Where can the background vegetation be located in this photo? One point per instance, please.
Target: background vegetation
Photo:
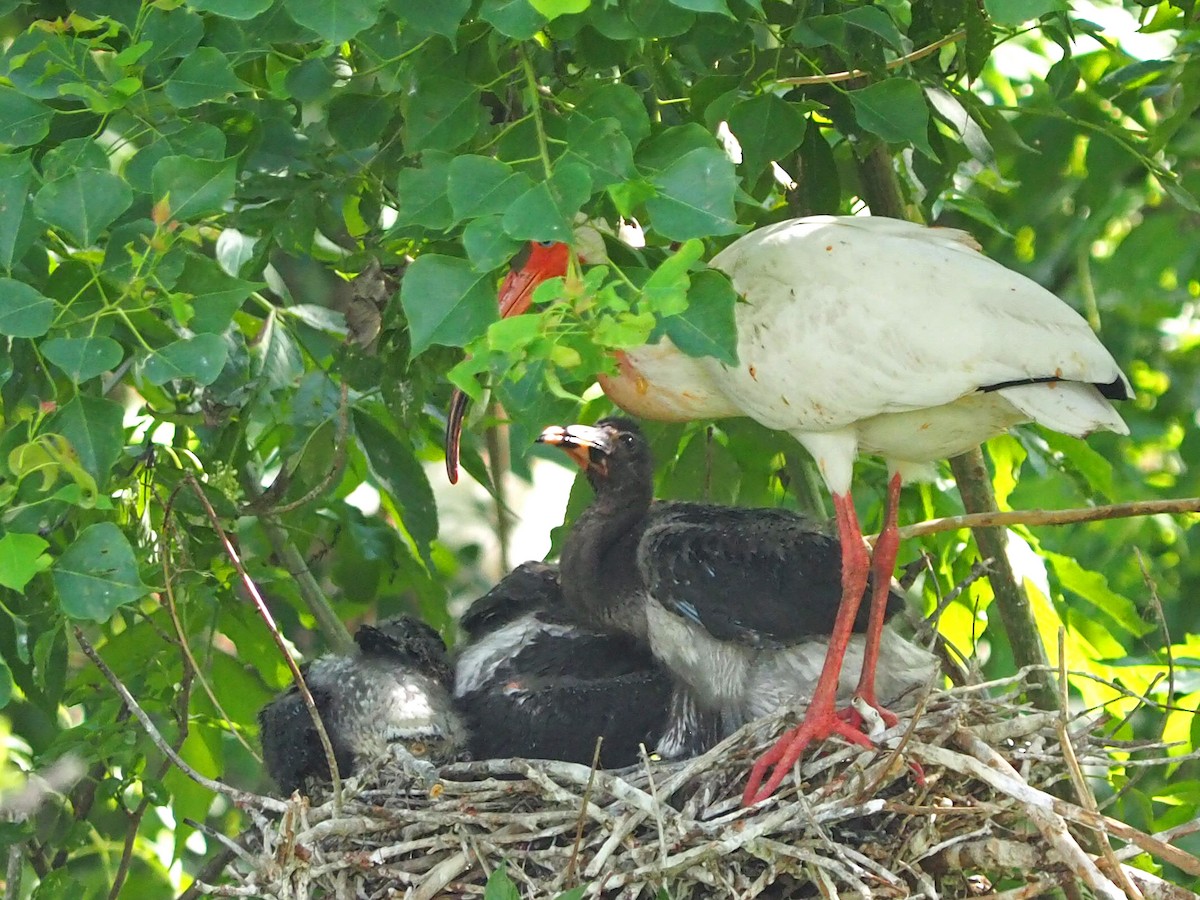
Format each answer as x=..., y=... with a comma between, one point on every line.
x=243, y=243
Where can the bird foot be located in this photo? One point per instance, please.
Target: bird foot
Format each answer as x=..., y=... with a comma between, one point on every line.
x=783, y=755
x=868, y=715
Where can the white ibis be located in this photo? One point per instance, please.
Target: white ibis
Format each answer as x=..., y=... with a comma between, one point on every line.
x=395, y=691
x=533, y=682
x=873, y=335
x=738, y=603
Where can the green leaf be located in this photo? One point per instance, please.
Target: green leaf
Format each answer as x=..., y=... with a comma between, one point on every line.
x=23, y=311
x=546, y=212
x=514, y=18
x=97, y=574
x=21, y=557
x=424, y=17
x=17, y=226
x=704, y=6
x=83, y=204
x=500, y=887
x=441, y=114
x=877, y=21
x=421, y=194
x=707, y=327
x=603, y=148
x=240, y=10
x=193, y=188
x=513, y=333
x=95, y=428
x=552, y=9
x=487, y=244
x=200, y=358
x=358, y=120
x=23, y=121
x=335, y=22
x=83, y=358
x=1093, y=587
x=1012, y=13
x=6, y=684
x=205, y=74
x=768, y=129
x=215, y=295
x=620, y=102
x=446, y=302
x=896, y=111
x=481, y=186
x=695, y=197
x=400, y=474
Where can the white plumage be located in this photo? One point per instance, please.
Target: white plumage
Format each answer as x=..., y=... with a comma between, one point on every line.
x=874, y=334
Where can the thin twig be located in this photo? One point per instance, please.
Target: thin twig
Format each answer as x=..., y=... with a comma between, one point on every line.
x=1035, y=517
x=1083, y=791
x=919, y=53
x=164, y=553
x=587, y=796
x=265, y=613
x=244, y=798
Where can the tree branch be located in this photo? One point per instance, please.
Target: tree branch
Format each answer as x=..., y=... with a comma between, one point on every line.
x=244, y=798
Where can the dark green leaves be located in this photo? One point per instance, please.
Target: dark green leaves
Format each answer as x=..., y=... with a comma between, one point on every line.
x=97, y=574
x=768, y=129
x=546, y=211
x=199, y=359
x=16, y=225
x=23, y=311
x=83, y=204
x=23, y=121
x=446, y=302
x=335, y=22
x=707, y=326
x=193, y=188
x=695, y=197
x=83, y=358
x=204, y=75
x=95, y=429
x=442, y=114
x=480, y=185
x=400, y=474
x=895, y=110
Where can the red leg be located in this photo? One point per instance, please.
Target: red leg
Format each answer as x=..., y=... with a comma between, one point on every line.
x=821, y=720
x=883, y=564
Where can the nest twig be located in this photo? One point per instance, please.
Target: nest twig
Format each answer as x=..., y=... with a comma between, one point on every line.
x=981, y=819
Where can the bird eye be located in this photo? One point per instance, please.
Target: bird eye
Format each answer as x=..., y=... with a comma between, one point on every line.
x=627, y=439
x=546, y=243
x=418, y=748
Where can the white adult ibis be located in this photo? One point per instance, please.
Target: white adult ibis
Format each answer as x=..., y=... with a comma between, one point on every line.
x=738, y=603
x=874, y=335
x=533, y=681
x=394, y=691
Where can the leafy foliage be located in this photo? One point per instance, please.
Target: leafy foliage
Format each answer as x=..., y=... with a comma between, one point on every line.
x=246, y=245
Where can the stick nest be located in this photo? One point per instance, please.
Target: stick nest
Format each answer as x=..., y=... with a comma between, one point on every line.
x=865, y=824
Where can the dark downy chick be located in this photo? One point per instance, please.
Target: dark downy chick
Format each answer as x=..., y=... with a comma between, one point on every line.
x=393, y=693
x=738, y=603
x=533, y=682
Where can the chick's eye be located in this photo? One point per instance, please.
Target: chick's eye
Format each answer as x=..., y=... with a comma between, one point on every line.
x=627, y=439
x=418, y=748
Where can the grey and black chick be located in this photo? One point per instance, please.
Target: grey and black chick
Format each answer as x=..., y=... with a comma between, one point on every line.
x=533, y=682
x=394, y=692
